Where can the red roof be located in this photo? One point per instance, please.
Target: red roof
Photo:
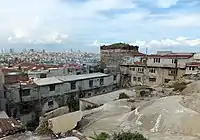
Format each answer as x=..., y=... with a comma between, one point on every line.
x=23, y=64
x=139, y=63
x=9, y=126
x=139, y=54
x=8, y=70
x=193, y=64
x=173, y=55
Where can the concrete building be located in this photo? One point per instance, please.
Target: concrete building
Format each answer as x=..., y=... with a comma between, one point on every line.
x=159, y=68
x=114, y=55
x=2, y=94
x=193, y=68
x=28, y=101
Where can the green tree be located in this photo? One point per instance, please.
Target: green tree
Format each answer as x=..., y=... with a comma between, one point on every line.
x=101, y=136
x=128, y=136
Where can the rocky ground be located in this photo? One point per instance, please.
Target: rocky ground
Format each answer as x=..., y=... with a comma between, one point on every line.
x=164, y=117
x=174, y=116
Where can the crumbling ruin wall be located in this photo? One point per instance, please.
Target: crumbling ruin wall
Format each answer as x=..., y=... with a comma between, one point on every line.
x=125, y=81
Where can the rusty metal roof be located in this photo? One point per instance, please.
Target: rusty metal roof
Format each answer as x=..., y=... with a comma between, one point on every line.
x=9, y=126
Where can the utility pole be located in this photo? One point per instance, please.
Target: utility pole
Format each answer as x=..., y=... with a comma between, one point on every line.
x=176, y=68
x=20, y=92
x=145, y=68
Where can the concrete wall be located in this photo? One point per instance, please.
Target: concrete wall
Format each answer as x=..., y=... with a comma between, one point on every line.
x=2, y=97
x=161, y=75
x=44, y=91
x=13, y=95
x=65, y=122
x=47, y=108
x=167, y=62
x=192, y=70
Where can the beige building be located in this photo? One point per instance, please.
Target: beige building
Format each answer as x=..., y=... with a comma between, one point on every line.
x=158, y=69
x=141, y=75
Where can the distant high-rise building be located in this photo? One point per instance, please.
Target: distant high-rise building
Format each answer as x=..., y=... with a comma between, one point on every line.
x=3, y=50
x=31, y=50
x=24, y=50
x=12, y=50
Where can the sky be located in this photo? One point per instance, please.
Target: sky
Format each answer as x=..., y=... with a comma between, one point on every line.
x=59, y=25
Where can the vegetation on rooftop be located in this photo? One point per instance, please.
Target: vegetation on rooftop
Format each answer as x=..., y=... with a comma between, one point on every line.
x=120, y=45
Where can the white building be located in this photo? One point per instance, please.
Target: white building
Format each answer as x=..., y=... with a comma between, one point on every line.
x=46, y=94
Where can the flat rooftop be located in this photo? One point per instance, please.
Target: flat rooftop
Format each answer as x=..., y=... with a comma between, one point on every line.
x=68, y=78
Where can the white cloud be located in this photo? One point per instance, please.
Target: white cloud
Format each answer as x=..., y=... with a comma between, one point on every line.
x=54, y=38
x=97, y=43
x=20, y=33
x=180, y=20
x=50, y=21
x=23, y=18
x=166, y=3
x=180, y=41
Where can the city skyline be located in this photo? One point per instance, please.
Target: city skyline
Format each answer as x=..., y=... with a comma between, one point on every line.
x=86, y=24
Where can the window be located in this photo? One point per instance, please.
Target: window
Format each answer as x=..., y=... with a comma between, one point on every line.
x=26, y=92
x=43, y=75
x=167, y=80
x=152, y=70
x=52, y=87
x=89, y=94
x=191, y=68
x=115, y=77
x=101, y=81
x=133, y=69
x=73, y=85
x=172, y=72
x=134, y=78
x=152, y=79
x=140, y=70
x=156, y=60
x=91, y=83
x=50, y=103
x=139, y=79
x=173, y=61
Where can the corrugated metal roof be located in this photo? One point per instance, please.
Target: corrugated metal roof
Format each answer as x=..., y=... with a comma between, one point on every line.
x=47, y=81
x=81, y=77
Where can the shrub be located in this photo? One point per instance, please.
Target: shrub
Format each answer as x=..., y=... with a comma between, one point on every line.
x=123, y=96
x=101, y=136
x=43, y=129
x=120, y=136
x=179, y=86
x=128, y=136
